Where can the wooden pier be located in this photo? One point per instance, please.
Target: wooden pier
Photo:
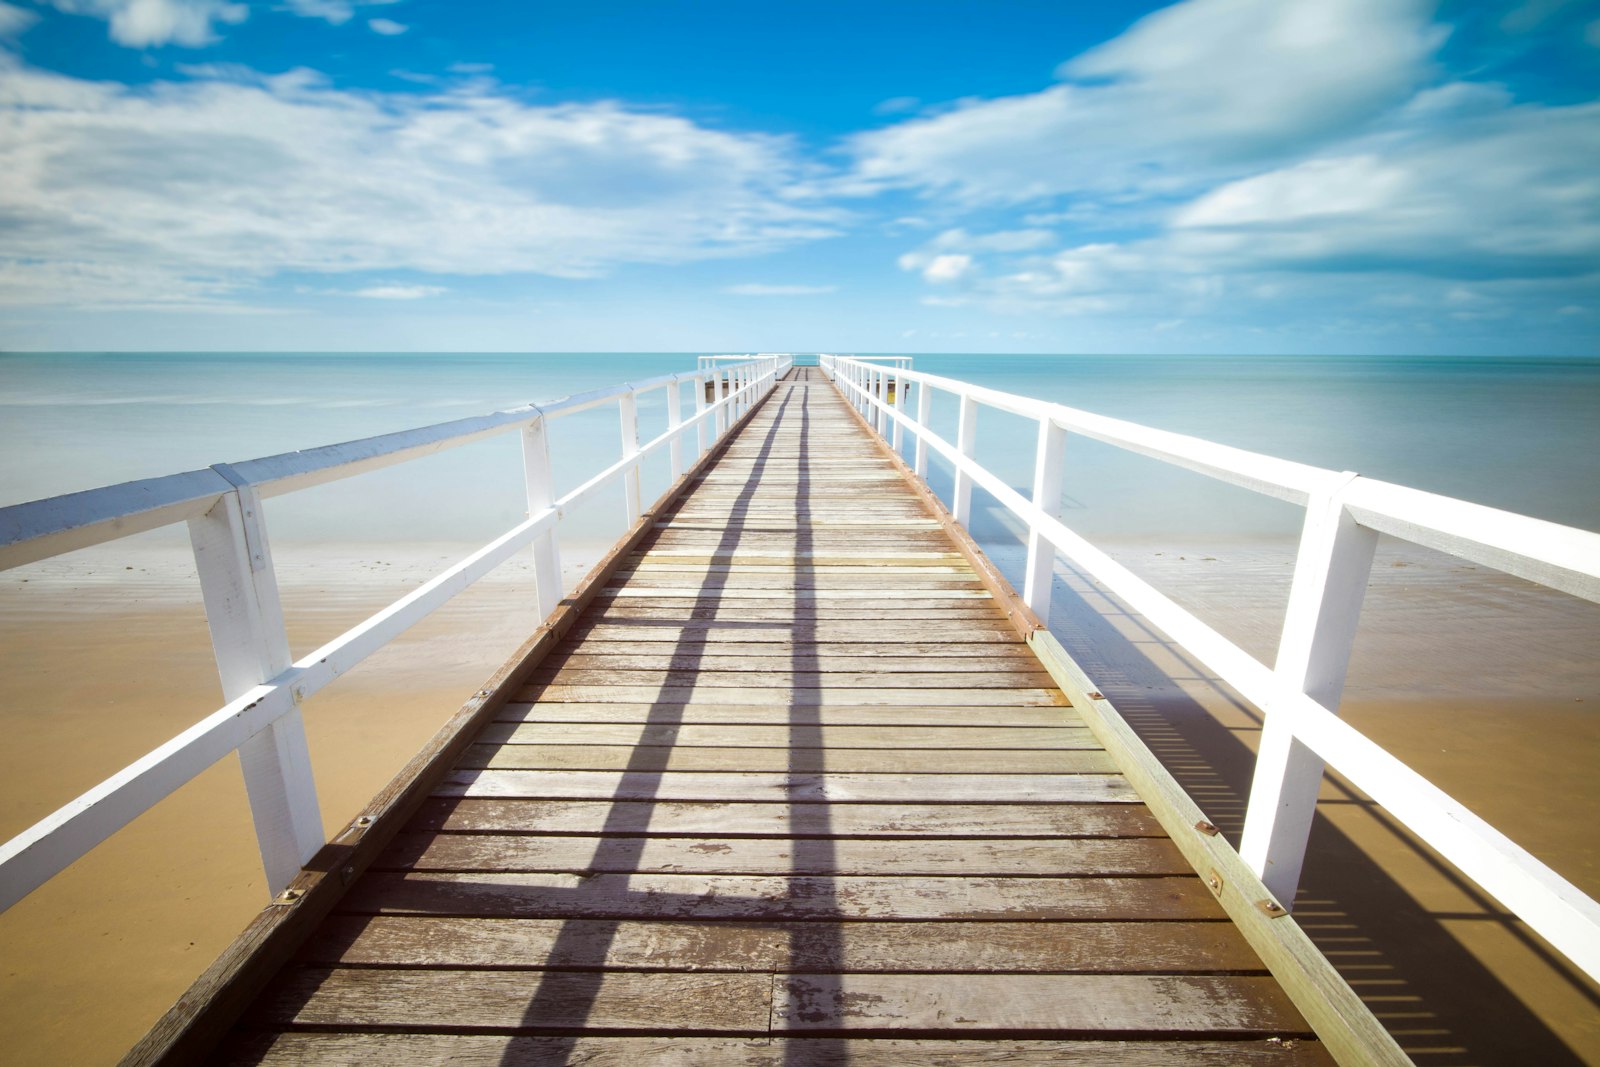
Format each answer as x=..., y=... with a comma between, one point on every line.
x=784, y=784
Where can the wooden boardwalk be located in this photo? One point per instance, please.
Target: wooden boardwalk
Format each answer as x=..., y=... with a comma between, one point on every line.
x=791, y=791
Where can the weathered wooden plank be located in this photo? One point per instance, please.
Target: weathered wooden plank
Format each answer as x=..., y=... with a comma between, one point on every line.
x=706, y=818
x=794, y=788
x=915, y=619
x=931, y=571
x=645, y=694
x=1068, y=1003
x=805, y=557
x=746, y=897
x=783, y=948
x=918, y=597
x=845, y=761
x=299, y=1049
x=804, y=582
x=812, y=657
x=623, y=624
x=811, y=735
x=1076, y=857
x=443, y=1001
x=783, y=715
x=779, y=676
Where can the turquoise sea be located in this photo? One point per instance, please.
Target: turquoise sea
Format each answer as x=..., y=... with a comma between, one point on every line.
x=1518, y=433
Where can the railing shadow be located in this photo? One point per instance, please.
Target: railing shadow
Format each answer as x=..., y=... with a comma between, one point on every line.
x=813, y=845
x=571, y=993
x=1438, y=1000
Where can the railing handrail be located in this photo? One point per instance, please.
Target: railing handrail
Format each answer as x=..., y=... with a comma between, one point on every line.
x=1299, y=695
x=41, y=529
x=262, y=689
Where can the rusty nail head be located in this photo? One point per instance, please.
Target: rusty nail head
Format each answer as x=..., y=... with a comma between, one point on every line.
x=1096, y=696
x=288, y=896
x=1215, y=882
x=1206, y=828
x=364, y=820
x=1271, y=907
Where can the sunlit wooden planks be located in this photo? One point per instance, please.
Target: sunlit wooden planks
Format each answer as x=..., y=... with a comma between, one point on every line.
x=793, y=774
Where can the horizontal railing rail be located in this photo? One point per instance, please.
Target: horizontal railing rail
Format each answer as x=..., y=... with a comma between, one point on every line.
x=263, y=689
x=1299, y=694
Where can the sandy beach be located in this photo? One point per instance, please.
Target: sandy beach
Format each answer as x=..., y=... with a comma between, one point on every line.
x=1485, y=684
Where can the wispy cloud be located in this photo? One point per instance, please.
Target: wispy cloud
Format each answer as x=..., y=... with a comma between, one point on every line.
x=147, y=23
x=1177, y=100
x=1361, y=166
x=231, y=181
x=387, y=27
x=757, y=289
x=400, y=292
x=14, y=20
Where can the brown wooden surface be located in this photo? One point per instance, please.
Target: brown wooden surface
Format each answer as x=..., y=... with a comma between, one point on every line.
x=793, y=789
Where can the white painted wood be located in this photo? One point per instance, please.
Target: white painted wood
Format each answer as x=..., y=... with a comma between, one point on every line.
x=924, y=413
x=41, y=529
x=1557, y=556
x=240, y=592
x=541, y=491
x=900, y=406
x=966, y=441
x=1330, y=580
x=674, y=420
x=701, y=433
x=631, y=504
x=1047, y=471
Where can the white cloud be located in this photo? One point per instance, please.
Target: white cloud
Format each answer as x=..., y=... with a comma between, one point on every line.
x=333, y=12
x=1001, y=241
x=897, y=105
x=14, y=20
x=146, y=23
x=1511, y=193
x=227, y=183
x=1203, y=88
x=387, y=27
x=948, y=267
x=400, y=292
x=757, y=289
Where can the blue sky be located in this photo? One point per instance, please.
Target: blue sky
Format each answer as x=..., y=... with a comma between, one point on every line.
x=1207, y=176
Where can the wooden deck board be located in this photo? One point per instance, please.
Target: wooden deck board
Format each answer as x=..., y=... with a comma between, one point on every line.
x=791, y=790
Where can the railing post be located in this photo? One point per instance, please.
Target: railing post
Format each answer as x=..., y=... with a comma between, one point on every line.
x=1039, y=575
x=721, y=395
x=245, y=616
x=924, y=413
x=966, y=439
x=629, y=405
x=1330, y=579
x=541, y=494
x=700, y=427
x=674, y=420
x=880, y=392
x=899, y=407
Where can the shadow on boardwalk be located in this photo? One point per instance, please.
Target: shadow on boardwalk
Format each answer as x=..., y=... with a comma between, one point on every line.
x=1438, y=1000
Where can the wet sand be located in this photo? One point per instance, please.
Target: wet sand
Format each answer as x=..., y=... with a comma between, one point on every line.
x=98, y=665
x=1489, y=687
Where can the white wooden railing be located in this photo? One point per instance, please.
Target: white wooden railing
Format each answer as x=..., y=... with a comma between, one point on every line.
x=1299, y=694
x=262, y=687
